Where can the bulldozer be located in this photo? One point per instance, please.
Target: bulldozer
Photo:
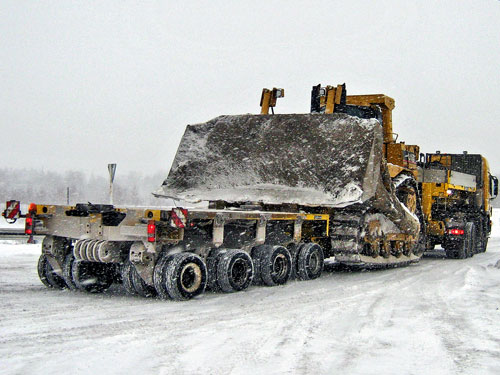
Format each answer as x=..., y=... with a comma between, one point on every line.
x=341, y=160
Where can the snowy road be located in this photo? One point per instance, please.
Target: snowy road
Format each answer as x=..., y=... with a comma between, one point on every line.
x=439, y=317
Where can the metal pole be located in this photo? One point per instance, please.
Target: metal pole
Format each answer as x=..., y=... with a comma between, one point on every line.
x=111, y=170
x=67, y=195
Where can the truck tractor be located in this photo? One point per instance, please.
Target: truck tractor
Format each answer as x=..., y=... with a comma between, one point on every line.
x=457, y=190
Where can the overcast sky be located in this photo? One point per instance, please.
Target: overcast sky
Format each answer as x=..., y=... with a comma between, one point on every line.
x=91, y=82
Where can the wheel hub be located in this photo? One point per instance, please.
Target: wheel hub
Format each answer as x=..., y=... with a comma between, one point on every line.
x=239, y=272
x=280, y=266
x=314, y=263
x=191, y=277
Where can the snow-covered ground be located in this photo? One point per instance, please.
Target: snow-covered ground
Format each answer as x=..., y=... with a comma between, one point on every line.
x=438, y=317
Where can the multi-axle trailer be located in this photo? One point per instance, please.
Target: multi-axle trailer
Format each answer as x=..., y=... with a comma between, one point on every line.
x=173, y=252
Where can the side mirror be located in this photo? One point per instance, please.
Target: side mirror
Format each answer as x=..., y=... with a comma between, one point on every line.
x=494, y=187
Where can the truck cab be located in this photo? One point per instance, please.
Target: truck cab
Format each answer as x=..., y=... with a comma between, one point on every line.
x=457, y=190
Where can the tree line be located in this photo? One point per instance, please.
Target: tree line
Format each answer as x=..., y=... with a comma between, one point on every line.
x=40, y=186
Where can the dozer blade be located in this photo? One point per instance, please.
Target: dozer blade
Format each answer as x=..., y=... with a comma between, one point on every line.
x=328, y=160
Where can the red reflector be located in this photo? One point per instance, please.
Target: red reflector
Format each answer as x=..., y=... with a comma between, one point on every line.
x=178, y=217
x=12, y=211
x=151, y=227
x=151, y=231
x=28, y=225
x=456, y=231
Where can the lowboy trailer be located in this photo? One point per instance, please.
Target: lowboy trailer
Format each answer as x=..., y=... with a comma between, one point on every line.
x=172, y=252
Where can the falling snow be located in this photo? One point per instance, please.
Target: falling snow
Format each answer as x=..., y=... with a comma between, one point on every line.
x=438, y=317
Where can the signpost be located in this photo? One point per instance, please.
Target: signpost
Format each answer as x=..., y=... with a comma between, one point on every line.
x=112, y=170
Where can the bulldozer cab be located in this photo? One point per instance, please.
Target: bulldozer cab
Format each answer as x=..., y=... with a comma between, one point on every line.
x=332, y=99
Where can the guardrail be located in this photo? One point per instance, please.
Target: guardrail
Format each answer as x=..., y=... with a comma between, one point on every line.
x=13, y=231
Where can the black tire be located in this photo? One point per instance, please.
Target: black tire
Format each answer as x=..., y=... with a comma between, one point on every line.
x=67, y=269
x=464, y=248
x=127, y=282
x=481, y=237
x=180, y=276
x=42, y=271
x=159, y=275
x=451, y=253
x=485, y=242
x=140, y=286
x=47, y=275
x=212, y=263
x=294, y=253
x=92, y=277
x=234, y=270
x=310, y=261
x=470, y=237
x=255, y=254
x=273, y=264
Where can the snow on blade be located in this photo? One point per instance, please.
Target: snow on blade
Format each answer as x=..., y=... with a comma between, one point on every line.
x=307, y=159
